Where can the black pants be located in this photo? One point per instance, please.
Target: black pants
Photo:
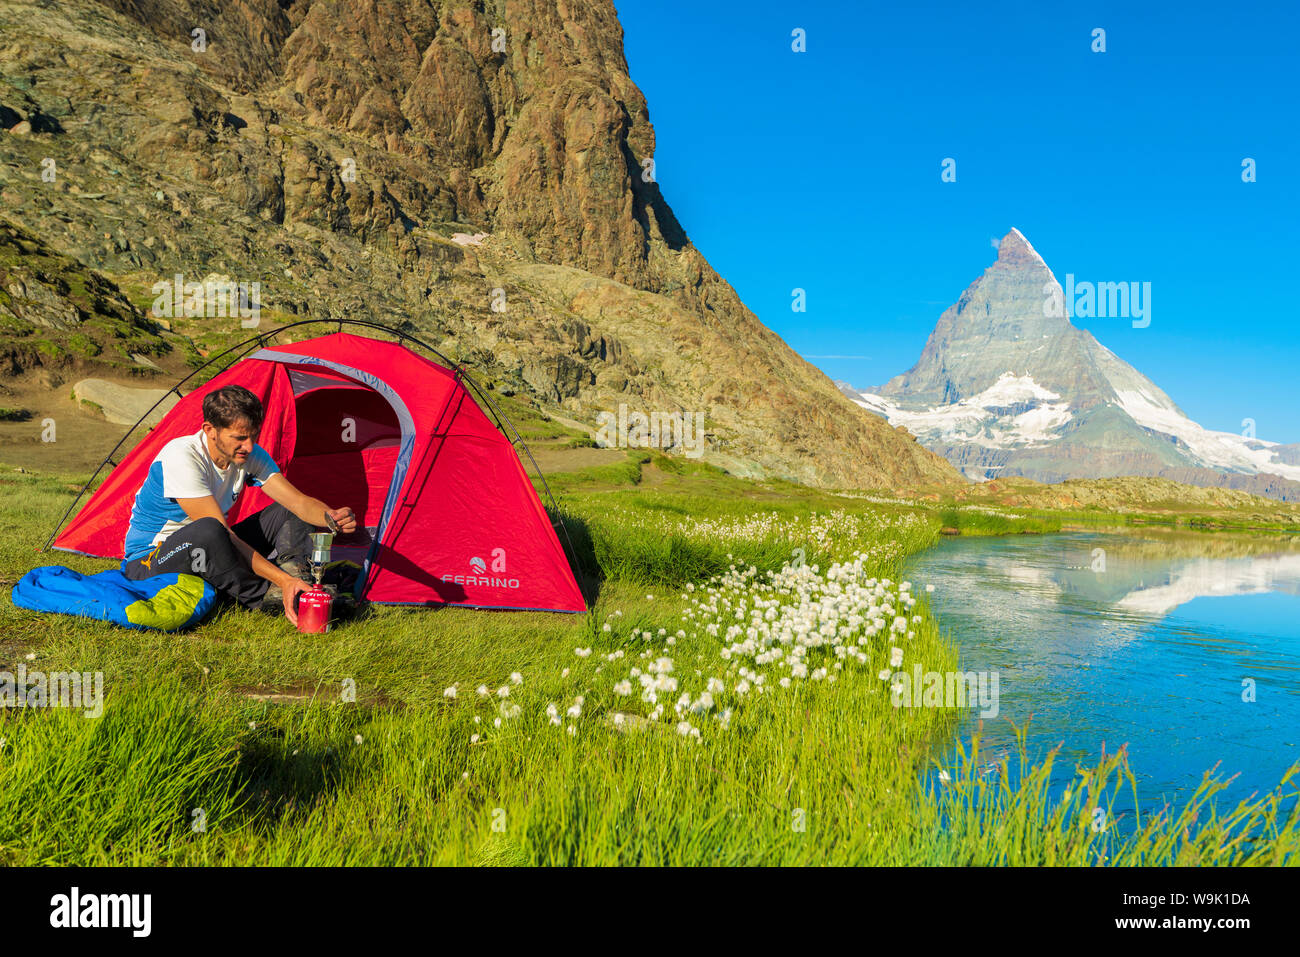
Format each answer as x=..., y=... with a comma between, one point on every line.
x=203, y=547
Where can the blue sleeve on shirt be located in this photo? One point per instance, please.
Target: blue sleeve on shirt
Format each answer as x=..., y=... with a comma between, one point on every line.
x=261, y=466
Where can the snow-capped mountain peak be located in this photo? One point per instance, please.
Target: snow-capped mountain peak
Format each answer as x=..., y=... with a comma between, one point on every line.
x=1006, y=387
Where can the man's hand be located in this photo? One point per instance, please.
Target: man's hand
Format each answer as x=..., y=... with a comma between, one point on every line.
x=311, y=510
x=343, y=517
x=292, y=588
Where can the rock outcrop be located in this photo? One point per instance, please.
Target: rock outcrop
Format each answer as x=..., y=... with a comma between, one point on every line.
x=479, y=173
x=124, y=405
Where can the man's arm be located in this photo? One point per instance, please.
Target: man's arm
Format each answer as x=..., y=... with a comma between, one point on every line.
x=205, y=506
x=311, y=510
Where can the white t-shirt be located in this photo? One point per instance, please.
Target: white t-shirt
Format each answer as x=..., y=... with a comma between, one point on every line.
x=183, y=468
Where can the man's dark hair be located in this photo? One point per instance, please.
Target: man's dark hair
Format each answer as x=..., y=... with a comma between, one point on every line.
x=227, y=405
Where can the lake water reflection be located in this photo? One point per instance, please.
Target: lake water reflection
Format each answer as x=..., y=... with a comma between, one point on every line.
x=1154, y=639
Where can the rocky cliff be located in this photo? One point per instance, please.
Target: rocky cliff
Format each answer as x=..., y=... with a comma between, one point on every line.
x=480, y=173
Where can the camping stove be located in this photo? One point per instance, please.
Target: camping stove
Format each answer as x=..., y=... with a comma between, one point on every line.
x=314, y=605
x=321, y=543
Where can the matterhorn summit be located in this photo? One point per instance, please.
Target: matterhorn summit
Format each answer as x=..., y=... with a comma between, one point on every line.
x=1008, y=385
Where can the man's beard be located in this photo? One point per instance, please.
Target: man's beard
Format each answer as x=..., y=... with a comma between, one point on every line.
x=230, y=455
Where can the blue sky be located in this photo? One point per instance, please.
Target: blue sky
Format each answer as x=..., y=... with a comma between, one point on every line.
x=821, y=170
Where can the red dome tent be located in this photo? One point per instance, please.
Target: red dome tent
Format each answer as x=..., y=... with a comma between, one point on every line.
x=450, y=515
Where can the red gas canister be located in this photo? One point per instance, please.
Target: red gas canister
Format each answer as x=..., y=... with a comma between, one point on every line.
x=314, y=610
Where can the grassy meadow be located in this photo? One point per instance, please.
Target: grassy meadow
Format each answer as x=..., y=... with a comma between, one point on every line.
x=724, y=701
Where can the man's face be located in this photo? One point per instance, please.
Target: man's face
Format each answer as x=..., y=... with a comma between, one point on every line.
x=231, y=444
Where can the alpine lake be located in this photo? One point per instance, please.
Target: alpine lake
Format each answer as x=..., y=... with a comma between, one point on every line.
x=1183, y=646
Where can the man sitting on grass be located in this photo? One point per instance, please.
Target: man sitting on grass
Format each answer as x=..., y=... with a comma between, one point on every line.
x=178, y=522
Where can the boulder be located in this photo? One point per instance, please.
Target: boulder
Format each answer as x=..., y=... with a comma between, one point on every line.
x=122, y=404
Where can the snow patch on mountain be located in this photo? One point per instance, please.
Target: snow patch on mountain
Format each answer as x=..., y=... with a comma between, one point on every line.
x=1011, y=389
x=984, y=418
x=1224, y=450
x=1038, y=425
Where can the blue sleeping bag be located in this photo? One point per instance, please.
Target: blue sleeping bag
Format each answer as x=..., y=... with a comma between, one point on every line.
x=168, y=602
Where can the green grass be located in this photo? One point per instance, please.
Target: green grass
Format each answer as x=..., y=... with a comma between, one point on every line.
x=989, y=821
x=981, y=520
x=665, y=538
x=368, y=762
x=76, y=788
x=1100, y=518
x=534, y=425
x=82, y=345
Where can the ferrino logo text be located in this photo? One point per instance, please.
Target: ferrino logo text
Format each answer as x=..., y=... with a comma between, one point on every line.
x=479, y=572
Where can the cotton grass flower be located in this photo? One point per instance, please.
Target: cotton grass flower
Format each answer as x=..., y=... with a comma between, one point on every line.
x=449, y=692
x=796, y=620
